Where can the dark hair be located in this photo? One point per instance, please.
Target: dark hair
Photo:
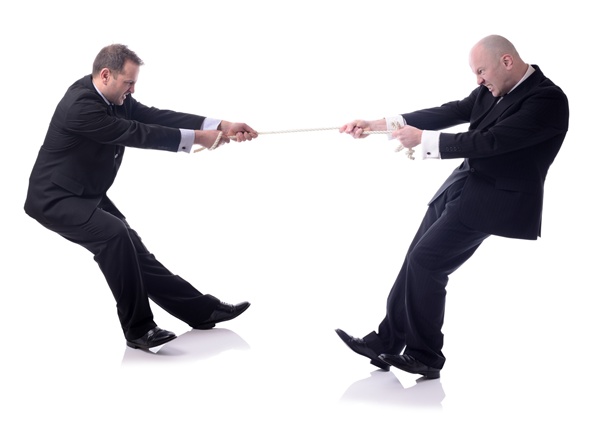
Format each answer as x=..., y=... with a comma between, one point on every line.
x=114, y=57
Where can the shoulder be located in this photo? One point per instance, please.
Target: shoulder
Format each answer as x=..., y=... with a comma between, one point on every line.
x=83, y=84
x=83, y=90
x=542, y=81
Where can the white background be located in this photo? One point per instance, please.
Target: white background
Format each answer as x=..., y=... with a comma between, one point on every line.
x=311, y=228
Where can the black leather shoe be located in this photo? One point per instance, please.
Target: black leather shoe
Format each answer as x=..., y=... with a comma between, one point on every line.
x=409, y=364
x=359, y=346
x=222, y=313
x=154, y=337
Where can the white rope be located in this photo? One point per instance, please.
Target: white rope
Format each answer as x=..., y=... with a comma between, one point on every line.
x=216, y=144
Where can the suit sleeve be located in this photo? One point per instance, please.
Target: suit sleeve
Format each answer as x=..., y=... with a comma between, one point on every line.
x=536, y=118
x=151, y=115
x=447, y=115
x=89, y=119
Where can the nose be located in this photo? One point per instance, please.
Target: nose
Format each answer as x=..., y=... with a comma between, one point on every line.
x=480, y=80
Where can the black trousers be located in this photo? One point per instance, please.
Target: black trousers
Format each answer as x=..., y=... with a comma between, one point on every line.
x=416, y=302
x=135, y=276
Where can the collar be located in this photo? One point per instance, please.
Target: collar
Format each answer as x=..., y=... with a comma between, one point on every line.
x=528, y=73
x=103, y=97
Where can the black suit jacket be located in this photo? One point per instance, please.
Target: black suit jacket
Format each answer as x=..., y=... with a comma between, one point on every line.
x=83, y=149
x=509, y=148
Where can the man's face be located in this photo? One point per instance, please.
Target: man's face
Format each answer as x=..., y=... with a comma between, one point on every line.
x=491, y=71
x=119, y=85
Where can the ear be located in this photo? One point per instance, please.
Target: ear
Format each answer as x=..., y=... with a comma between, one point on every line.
x=105, y=75
x=507, y=61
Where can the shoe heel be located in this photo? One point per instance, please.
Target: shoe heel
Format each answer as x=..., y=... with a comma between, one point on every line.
x=205, y=326
x=132, y=345
x=431, y=375
x=382, y=365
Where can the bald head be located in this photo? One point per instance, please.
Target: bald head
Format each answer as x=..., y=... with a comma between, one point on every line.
x=497, y=46
x=497, y=64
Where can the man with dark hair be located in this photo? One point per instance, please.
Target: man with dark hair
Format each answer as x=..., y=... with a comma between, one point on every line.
x=78, y=161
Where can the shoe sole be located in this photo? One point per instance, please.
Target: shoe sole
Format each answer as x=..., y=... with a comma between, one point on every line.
x=430, y=375
x=146, y=348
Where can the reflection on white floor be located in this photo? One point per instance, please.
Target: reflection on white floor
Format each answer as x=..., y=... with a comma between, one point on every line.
x=277, y=387
x=293, y=368
x=189, y=347
x=379, y=389
x=384, y=389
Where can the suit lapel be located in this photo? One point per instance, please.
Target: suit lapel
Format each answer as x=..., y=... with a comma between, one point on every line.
x=519, y=92
x=495, y=111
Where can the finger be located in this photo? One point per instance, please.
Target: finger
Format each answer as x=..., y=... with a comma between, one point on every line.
x=249, y=135
x=349, y=128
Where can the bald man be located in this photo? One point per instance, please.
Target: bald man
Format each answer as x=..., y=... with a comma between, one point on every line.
x=518, y=119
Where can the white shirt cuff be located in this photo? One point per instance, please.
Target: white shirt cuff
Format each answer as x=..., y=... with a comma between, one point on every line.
x=187, y=140
x=430, y=144
x=210, y=123
x=187, y=135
